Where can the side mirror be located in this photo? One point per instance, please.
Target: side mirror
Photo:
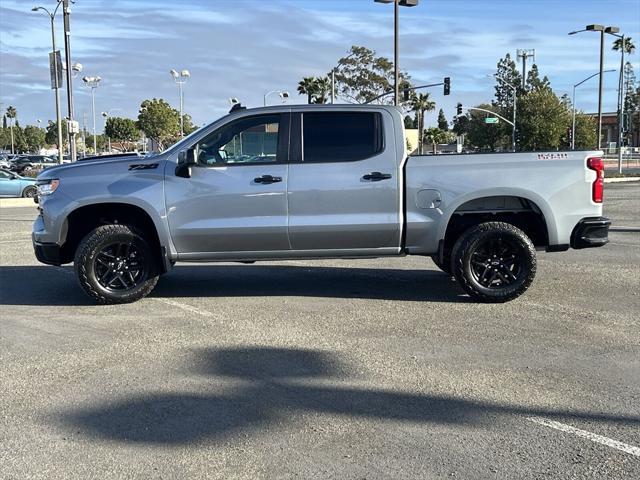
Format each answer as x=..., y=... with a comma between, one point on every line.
x=186, y=159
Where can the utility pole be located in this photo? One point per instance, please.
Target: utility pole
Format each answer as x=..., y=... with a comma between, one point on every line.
x=524, y=54
x=71, y=124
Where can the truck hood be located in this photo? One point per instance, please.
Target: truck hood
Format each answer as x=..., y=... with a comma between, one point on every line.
x=56, y=172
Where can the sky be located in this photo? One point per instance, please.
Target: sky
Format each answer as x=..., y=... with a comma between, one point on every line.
x=244, y=48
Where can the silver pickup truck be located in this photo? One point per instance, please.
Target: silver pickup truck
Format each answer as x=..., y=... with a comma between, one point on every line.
x=320, y=181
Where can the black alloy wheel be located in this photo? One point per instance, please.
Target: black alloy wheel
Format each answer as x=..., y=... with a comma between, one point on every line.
x=494, y=262
x=497, y=262
x=116, y=264
x=120, y=266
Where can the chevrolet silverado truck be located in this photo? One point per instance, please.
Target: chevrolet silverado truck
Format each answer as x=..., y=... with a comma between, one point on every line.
x=315, y=182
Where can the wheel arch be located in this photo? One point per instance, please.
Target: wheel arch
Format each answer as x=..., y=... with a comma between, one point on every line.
x=499, y=207
x=83, y=219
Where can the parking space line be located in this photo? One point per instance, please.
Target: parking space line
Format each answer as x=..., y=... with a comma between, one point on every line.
x=183, y=306
x=609, y=442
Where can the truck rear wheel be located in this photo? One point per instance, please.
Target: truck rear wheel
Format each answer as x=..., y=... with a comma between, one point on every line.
x=115, y=264
x=494, y=262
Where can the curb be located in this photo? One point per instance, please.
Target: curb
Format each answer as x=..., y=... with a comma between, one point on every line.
x=621, y=179
x=16, y=202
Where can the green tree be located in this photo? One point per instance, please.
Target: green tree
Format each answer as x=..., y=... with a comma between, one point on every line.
x=533, y=80
x=436, y=136
x=122, y=130
x=159, y=121
x=484, y=136
x=308, y=86
x=51, y=133
x=34, y=138
x=323, y=90
x=362, y=76
x=586, y=132
x=542, y=120
x=442, y=121
x=421, y=103
x=629, y=47
x=507, y=78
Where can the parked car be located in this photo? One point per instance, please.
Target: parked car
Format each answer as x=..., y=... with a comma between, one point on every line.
x=13, y=185
x=316, y=181
x=27, y=163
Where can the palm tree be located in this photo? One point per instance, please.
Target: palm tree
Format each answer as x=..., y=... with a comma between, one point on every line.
x=11, y=115
x=421, y=103
x=323, y=89
x=629, y=47
x=309, y=87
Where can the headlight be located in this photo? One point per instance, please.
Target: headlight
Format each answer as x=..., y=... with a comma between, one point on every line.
x=47, y=187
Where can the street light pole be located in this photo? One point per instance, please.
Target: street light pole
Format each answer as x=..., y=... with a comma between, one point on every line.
x=180, y=78
x=283, y=95
x=396, y=47
x=573, y=104
x=396, y=50
x=614, y=31
x=71, y=124
x=602, y=29
x=600, y=85
x=92, y=83
x=56, y=73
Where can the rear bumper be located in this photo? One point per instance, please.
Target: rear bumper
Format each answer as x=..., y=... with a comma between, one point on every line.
x=48, y=253
x=591, y=232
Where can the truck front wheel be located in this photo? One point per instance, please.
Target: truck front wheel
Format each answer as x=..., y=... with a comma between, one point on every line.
x=115, y=264
x=494, y=262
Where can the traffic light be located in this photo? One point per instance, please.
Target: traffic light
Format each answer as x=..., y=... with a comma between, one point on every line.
x=406, y=91
x=570, y=135
x=459, y=109
x=447, y=85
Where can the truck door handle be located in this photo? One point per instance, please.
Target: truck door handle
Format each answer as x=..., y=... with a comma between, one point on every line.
x=376, y=176
x=266, y=179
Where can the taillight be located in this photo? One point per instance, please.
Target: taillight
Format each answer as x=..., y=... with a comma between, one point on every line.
x=597, y=189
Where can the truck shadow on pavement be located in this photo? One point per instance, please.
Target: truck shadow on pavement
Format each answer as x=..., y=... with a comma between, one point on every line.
x=57, y=286
x=277, y=385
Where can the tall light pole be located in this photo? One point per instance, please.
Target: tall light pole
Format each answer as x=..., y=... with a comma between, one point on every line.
x=92, y=83
x=55, y=79
x=614, y=31
x=180, y=78
x=396, y=48
x=72, y=125
x=573, y=104
x=602, y=29
x=282, y=94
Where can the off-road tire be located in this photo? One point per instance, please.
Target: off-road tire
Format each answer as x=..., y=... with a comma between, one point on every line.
x=94, y=243
x=474, y=243
x=30, y=192
x=445, y=265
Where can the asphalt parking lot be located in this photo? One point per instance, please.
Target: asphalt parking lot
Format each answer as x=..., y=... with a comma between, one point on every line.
x=331, y=369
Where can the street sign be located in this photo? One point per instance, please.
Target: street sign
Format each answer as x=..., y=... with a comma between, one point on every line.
x=491, y=120
x=55, y=64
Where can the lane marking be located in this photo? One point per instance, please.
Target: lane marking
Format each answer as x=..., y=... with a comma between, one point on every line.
x=623, y=244
x=609, y=442
x=184, y=306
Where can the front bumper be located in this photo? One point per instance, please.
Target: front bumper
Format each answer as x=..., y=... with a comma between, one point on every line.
x=48, y=253
x=591, y=232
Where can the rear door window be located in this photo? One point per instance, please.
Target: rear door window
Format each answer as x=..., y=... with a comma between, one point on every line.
x=341, y=136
